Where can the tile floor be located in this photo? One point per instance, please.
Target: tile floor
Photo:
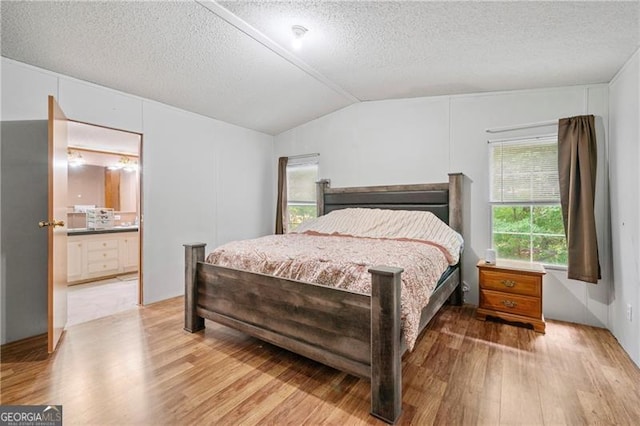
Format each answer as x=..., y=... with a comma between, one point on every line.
x=86, y=302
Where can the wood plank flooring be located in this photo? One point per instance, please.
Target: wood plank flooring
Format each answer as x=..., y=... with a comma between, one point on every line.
x=140, y=367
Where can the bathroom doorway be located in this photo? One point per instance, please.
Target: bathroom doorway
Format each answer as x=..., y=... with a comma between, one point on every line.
x=104, y=225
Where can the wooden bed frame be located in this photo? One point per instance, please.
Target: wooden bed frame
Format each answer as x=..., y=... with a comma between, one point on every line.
x=355, y=333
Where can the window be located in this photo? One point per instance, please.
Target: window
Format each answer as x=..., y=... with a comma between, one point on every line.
x=302, y=174
x=526, y=217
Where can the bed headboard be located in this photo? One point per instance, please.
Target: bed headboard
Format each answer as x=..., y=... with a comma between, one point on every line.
x=442, y=199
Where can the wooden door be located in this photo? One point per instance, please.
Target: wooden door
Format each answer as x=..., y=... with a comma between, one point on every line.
x=56, y=227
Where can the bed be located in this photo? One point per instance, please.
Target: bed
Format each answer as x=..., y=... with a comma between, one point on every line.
x=360, y=334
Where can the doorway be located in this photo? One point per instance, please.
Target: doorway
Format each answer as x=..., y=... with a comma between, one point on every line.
x=104, y=213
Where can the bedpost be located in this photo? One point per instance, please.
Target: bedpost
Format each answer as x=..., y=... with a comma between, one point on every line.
x=455, y=201
x=193, y=253
x=321, y=187
x=456, y=186
x=386, y=355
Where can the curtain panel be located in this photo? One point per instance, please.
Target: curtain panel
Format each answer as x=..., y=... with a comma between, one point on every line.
x=577, y=162
x=281, y=208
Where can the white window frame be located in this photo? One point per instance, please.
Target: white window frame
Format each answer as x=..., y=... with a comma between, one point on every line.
x=529, y=203
x=301, y=161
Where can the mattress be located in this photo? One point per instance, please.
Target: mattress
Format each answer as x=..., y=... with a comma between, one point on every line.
x=338, y=249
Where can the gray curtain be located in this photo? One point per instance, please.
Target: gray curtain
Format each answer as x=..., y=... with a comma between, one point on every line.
x=281, y=208
x=577, y=161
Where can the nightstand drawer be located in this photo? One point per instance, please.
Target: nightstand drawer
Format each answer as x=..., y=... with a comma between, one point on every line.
x=511, y=303
x=510, y=283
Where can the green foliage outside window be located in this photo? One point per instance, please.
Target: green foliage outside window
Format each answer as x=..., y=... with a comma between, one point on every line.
x=301, y=193
x=298, y=214
x=531, y=233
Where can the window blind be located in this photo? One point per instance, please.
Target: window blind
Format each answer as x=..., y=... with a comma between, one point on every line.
x=305, y=159
x=524, y=171
x=302, y=174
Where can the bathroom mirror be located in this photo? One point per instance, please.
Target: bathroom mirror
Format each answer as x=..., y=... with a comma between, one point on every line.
x=103, y=180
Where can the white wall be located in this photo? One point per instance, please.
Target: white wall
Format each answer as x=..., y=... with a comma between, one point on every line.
x=246, y=189
x=128, y=191
x=185, y=161
x=194, y=168
x=422, y=139
x=624, y=154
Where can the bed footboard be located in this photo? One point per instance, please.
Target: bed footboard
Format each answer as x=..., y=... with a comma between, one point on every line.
x=355, y=333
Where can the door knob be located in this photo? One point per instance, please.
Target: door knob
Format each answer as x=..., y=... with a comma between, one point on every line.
x=54, y=223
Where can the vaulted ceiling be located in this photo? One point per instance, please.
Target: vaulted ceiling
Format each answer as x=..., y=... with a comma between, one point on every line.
x=233, y=60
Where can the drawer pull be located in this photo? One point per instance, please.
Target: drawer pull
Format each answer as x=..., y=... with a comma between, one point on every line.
x=508, y=283
x=509, y=303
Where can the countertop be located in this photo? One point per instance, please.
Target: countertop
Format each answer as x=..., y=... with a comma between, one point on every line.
x=115, y=229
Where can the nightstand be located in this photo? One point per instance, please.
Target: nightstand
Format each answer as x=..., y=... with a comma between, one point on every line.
x=512, y=291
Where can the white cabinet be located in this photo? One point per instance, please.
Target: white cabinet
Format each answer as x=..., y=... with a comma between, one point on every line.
x=102, y=256
x=129, y=252
x=75, y=259
x=95, y=256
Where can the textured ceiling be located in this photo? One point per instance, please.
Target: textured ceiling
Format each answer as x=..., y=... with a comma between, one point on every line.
x=394, y=49
x=178, y=53
x=238, y=67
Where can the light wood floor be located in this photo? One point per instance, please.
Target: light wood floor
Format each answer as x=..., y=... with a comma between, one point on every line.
x=140, y=367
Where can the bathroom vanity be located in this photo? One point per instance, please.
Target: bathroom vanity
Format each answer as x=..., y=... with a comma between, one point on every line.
x=103, y=253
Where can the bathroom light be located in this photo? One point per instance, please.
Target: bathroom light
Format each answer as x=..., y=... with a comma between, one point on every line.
x=74, y=158
x=298, y=34
x=126, y=164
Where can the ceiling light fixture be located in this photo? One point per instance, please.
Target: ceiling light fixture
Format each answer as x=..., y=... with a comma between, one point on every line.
x=298, y=33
